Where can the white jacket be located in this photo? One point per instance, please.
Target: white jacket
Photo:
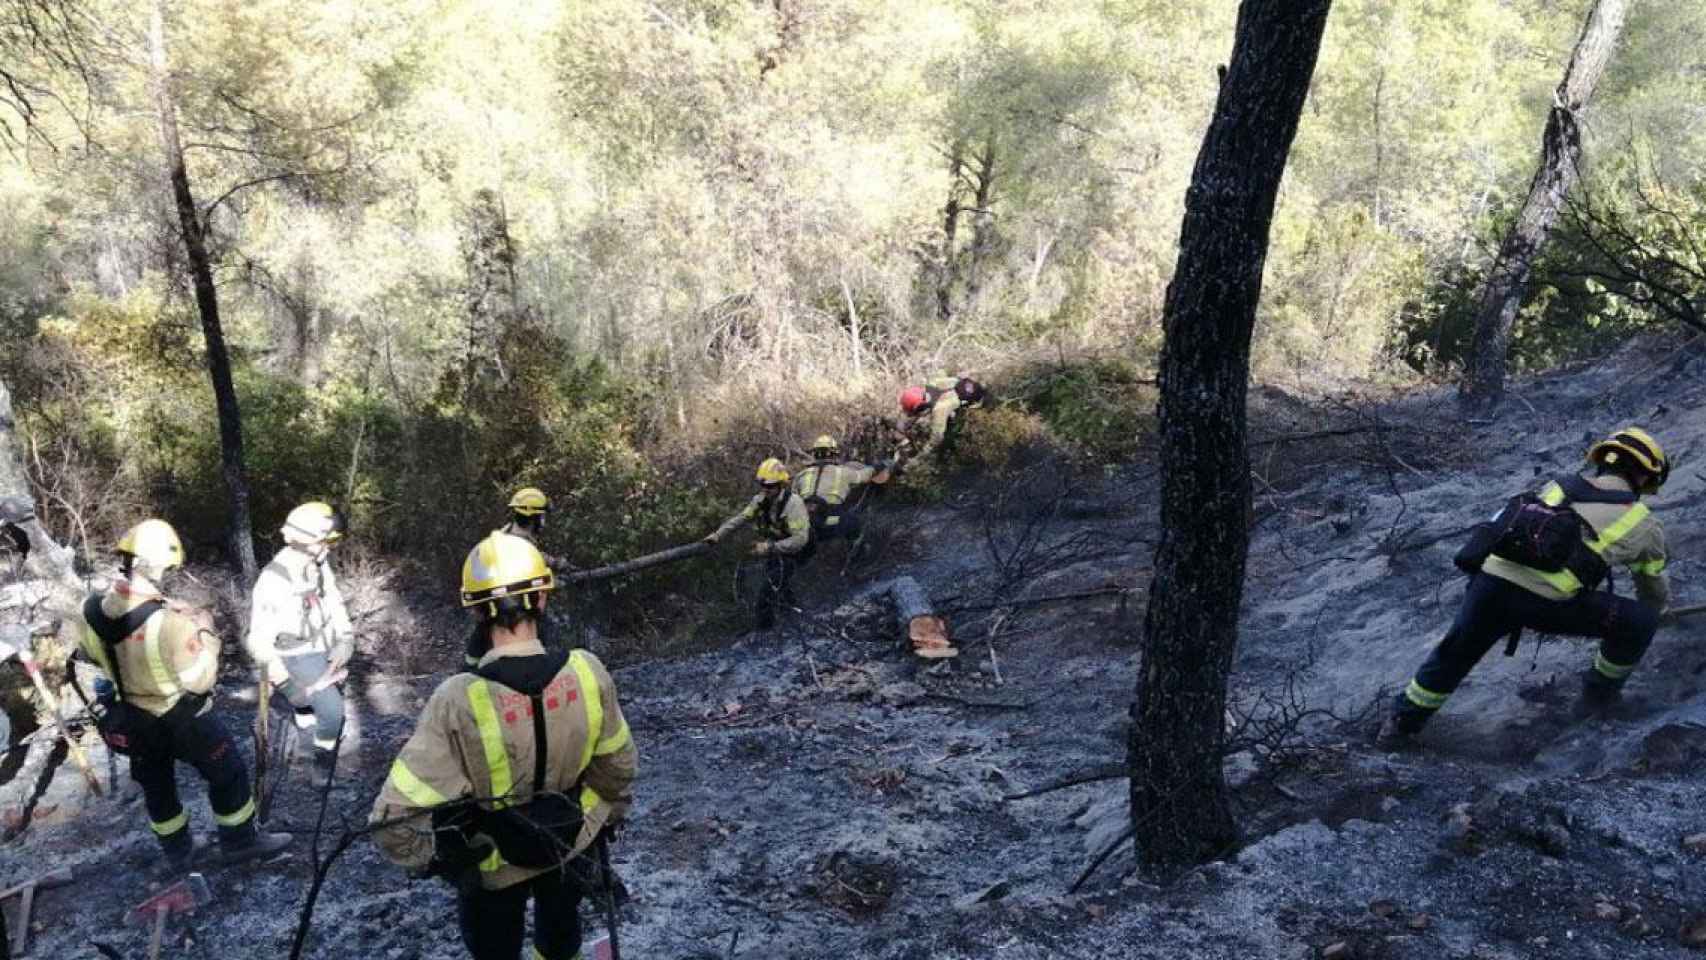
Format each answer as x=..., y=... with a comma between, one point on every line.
x=296, y=596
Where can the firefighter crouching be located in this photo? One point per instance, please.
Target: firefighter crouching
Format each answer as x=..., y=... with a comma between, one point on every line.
x=827, y=484
x=512, y=770
x=940, y=400
x=299, y=628
x=161, y=660
x=780, y=517
x=1506, y=596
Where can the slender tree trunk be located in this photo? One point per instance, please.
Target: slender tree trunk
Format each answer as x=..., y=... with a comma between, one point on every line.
x=242, y=544
x=1560, y=151
x=947, y=267
x=1179, y=805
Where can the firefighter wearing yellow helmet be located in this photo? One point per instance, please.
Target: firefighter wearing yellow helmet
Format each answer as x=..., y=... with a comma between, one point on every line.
x=299, y=627
x=1536, y=566
x=161, y=659
x=512, y=770
x=827, y=485
x=785, y=531
x=528, y=508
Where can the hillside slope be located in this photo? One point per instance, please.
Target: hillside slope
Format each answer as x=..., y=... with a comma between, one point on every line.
x=814, y=793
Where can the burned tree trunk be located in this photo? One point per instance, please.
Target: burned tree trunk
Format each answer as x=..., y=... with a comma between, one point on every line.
x=194, y=235
x=1179, y=805
x=1560, y=151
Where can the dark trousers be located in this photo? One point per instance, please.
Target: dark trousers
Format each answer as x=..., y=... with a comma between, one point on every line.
x=327, y=704
x=494, y=921
x=1494, y=608
x=847, y=527
x=180, y=736
x=775, y=585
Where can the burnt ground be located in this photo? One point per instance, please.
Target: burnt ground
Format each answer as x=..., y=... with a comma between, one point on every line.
x=815, y=792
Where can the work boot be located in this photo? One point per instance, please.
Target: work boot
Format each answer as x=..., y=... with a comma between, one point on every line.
x=179, y=848
x=1599, y=694
x=237, y=844
x=1395, y=733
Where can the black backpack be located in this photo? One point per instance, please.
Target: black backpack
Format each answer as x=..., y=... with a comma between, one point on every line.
x=541, y=831
x=124, y=726
x=1548, y=537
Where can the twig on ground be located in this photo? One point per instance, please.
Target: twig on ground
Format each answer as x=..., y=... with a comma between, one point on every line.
x=1107, y=852
x=1094, y=775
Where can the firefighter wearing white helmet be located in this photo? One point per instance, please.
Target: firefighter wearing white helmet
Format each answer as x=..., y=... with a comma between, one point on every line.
x=528, y=508
x=299, y=628
x=1521, y=577
x=161, y=659
x=513, y=771
x=785, y=530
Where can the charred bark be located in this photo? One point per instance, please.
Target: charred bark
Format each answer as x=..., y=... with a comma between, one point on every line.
x=194, y=235
x=1179, y=806
x=1560, y=152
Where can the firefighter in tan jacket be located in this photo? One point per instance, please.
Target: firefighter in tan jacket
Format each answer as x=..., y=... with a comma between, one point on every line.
x=474, y=799
x=785, y=529
x=827, y=483
x=161, y=659
x=299, y=628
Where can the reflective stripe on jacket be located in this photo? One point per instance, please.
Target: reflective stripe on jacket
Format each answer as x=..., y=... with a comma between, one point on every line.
x=831, y=481
x=475, y=739
x=165, y=658
x=1628, y=535
x=785, y=521
x=298, y=596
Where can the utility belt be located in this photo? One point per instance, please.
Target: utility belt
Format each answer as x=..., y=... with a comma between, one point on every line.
x=822, y=512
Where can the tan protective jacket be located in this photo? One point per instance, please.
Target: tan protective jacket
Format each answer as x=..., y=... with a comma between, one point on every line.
x=475, y=739
x=297, y=596
x=168, y=656
x=831, y=481
x=785, y=522
x=1628, y=536
x=941, y=412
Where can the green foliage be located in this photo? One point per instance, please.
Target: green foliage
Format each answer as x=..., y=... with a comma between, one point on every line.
x=1104, y=407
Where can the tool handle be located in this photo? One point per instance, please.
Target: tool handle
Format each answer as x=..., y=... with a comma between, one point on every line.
x=160, y=914
x=52, y=702
x=609, y=894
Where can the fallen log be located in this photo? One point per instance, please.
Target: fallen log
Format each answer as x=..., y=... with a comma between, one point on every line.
x=916, y=617
x=637, y=564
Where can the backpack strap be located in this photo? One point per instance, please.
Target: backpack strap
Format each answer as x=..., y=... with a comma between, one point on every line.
x=537, y=701
x=113, y=632
x=1577, y=489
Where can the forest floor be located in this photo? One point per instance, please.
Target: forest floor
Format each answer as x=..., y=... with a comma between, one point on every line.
x=816, y=792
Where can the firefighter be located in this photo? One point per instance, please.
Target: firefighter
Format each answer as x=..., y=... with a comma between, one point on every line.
x=299, y=628
x=785, y=529
x=527, y=510
x=941, y=399
x=827, y=483
x=513, y=771
x=161, y=659
x=1505, y=596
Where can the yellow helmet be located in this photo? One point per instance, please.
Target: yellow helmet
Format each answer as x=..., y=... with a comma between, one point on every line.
x=504, y=565
x=772, y=471
x=153, y=542
x=1639, y=446
x=313, y=522
x=529, y=502
x=826, y=442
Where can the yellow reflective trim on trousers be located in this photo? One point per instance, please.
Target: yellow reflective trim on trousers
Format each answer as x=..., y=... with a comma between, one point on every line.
x=1649, y=568
x=417, y=791
x=614, y=742
x=594, y=703
x=237, y=817
x=493, y=863
x=1423, y=697
x=1609, y=670
x=156, y=663
x=166, y=828
x=491, y=738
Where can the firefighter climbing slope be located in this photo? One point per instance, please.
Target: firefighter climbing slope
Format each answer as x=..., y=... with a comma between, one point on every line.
x=161, y=660
x=828, y=485
x=299, y=629
x=781, y=519
x=513, y=771
x=1538, y=564
x=941, y=400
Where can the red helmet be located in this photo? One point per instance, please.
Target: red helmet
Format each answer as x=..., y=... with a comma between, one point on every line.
x=912, y=399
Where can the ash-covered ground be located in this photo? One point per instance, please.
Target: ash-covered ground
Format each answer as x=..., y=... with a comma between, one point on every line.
x=816, y=792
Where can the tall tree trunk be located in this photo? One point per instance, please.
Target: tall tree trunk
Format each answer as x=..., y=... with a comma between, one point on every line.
x=1179, y=805
x=242, y=543
x=1560, y=151
x=947, y=267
